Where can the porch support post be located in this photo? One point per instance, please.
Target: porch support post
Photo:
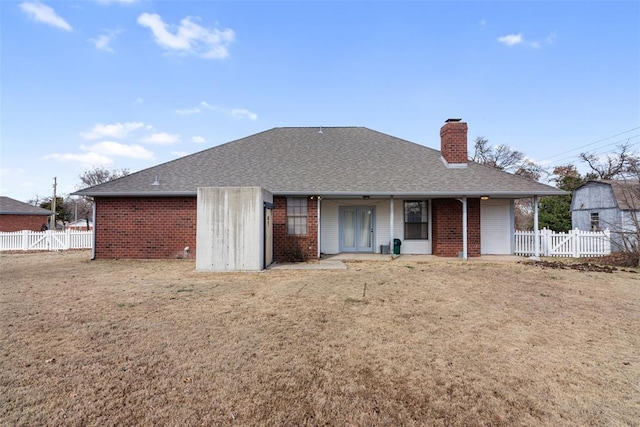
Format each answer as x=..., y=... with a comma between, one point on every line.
x=391, y=209
x=536, y=231
x=464, y=229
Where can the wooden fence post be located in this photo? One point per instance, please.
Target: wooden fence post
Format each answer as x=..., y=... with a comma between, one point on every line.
x=545, y=244
x=25, y=240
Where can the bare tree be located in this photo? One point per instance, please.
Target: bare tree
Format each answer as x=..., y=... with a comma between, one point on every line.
x=612, y=166
x=99, y=175
x=506, y=159
x=37, y=200
x=95, y=176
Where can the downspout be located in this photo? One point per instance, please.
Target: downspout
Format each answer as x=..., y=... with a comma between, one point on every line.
x=536, y=232
x=319, y=234
x=464, y=228
x=391, y=209
x=93, y=234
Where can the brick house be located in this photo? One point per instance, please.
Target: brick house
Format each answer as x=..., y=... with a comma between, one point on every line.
x=324, y=191
x=17, y=216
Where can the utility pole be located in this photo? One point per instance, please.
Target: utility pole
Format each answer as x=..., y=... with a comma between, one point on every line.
x=53, y=205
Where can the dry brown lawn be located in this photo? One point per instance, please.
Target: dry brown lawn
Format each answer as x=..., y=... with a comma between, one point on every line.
x=97, y=343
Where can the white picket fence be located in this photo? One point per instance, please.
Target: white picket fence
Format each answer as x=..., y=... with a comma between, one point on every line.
x=575, y=243
x=45, y=240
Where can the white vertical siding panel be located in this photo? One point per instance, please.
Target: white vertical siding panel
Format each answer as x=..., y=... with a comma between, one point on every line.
x=329, y=232
x=495, y=227
x=382, y=224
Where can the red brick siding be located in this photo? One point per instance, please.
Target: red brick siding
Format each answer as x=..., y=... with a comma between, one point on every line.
x=283, y=243
x=9, y=223
x=145, y=228
x=453, y=142
x=447, y=227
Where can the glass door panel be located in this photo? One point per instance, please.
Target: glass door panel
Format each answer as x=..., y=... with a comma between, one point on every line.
x=356, y=229
x=349, y=229
x=365, y=217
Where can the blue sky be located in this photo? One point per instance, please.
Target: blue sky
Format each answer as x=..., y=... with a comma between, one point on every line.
x=130, y=84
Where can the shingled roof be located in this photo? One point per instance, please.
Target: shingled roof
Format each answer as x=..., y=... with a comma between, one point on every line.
x=626, y=192
x=322, y=161
x=9, y=206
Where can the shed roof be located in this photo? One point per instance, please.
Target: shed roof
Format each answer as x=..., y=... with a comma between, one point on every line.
x=322, y=161
x=9, y=206
x=626, y=192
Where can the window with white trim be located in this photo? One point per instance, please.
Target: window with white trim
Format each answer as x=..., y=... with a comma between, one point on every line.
x=594, y=217
x=297, y=215
x=416, y=219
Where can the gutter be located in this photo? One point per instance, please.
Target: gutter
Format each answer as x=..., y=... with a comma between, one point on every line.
x=93, y=235
x=385, y=194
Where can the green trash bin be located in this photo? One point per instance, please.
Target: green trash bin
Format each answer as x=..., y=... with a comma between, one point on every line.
x=396, y=246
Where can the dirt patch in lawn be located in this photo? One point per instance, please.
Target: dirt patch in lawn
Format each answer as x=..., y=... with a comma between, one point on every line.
x=579, y=266
x=383, y=343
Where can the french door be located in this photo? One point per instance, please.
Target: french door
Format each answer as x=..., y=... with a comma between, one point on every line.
x=357, y=225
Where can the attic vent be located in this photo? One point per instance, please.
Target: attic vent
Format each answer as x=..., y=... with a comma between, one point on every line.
x=320, y=131
x=156, y=181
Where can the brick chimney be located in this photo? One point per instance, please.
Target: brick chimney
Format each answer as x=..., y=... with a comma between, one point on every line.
x=453, y=143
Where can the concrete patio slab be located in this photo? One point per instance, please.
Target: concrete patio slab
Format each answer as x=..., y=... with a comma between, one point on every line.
x=337, y=262
x=419, y=258
x=320, y=265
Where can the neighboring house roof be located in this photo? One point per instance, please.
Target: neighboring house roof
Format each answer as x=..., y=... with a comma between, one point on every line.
x=626, y=192
x=9, y=206
x=322, y=161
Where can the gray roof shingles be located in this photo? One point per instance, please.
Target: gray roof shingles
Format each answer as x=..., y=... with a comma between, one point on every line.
x=322, y=161
x=9, y=206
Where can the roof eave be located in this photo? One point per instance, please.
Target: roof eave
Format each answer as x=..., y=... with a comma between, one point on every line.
x=27, y=213
x=135, y=193
x=430, y=194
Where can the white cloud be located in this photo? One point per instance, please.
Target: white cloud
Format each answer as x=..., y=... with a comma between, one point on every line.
x=179, y=153
x=89, y=159
x=112, y=148
x=198, y=139
x=189, y=37
x=206, y=105
x=103, y=41
x=40, y=12
x=241, y=113
x=515, y=39
x=188, y=111
x=511, y=39
x=162, y=138
x=113, y=130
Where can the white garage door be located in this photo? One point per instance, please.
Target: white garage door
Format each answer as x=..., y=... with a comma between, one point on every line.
x=495, y=227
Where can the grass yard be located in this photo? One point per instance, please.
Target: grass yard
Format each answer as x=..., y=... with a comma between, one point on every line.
x=97, y=343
